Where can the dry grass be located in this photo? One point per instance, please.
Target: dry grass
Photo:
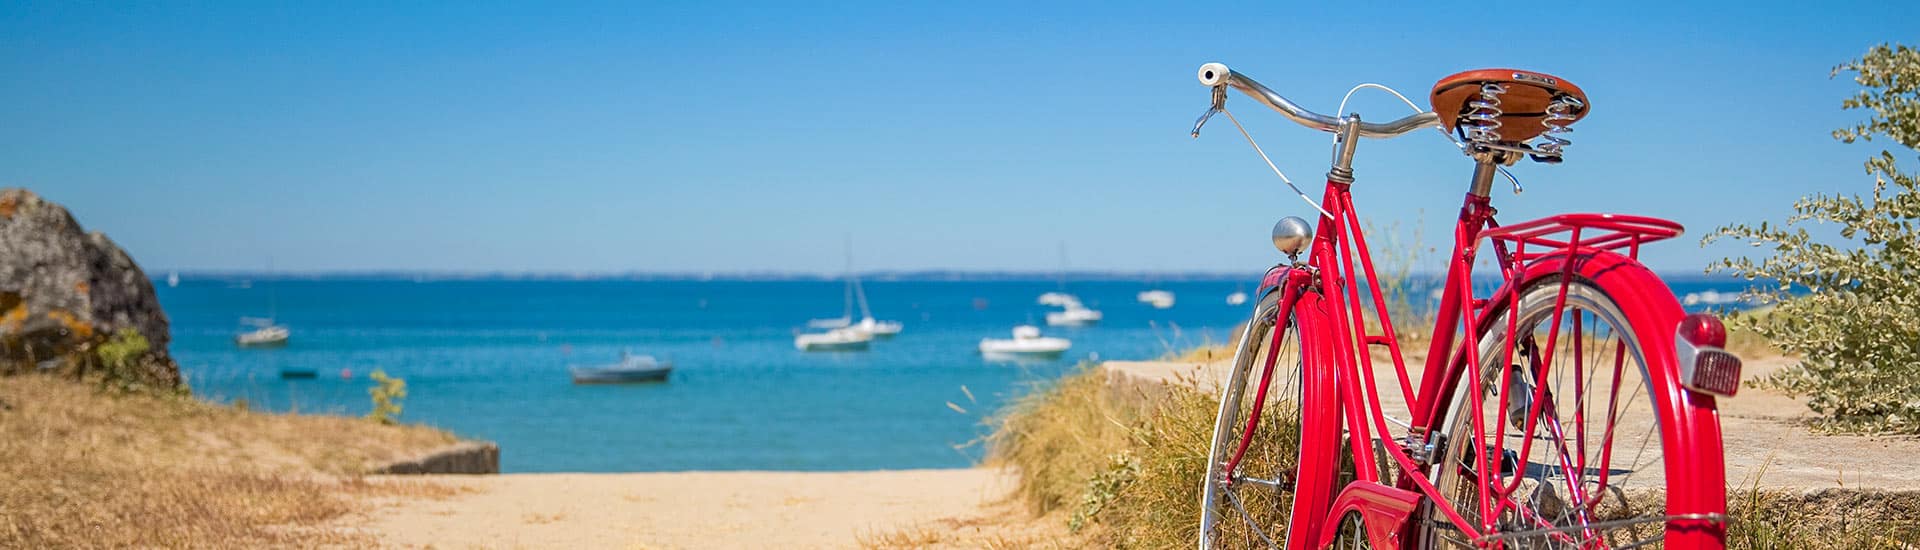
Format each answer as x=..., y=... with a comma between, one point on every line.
x=1865, y=520
x=1059, y=436
x=1117, y=462
x=1120, y=465
x=88, y=469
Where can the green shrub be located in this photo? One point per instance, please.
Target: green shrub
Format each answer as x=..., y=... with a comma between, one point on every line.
x=119, y=360
x=387, y=394
x=1855, y=329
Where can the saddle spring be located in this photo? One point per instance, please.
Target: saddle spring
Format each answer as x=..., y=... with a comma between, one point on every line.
x=1559, y=114
x=1485, y=114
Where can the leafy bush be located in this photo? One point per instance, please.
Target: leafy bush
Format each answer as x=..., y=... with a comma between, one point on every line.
x=387, y=393
x=1856, y=330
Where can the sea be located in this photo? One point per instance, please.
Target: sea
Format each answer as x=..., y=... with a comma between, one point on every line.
x=487, y=358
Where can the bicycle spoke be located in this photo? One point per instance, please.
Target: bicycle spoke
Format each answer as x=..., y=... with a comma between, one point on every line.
x=1579, y=415
x=1248, y=518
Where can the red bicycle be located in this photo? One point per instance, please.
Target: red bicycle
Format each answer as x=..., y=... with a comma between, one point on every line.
x=1573, y=407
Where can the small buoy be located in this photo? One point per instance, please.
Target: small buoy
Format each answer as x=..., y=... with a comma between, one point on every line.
x=346, y=374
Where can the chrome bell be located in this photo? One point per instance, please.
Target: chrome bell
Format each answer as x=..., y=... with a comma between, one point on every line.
x=1291, y=235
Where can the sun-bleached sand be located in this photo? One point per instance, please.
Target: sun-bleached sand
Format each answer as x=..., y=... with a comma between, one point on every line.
x=683, y=509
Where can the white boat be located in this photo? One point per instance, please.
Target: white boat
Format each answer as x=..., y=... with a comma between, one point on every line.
x=1075, y=315
x=1072, y=313
x=1026, y=342
x=1159, y=299
x=264, y=334
x=173, y=278
x=839, y=339
x=630, y=369
x=1058, y=299
x=1236, y=298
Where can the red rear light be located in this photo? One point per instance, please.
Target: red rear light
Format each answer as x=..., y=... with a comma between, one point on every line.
x=1704, y=366
x=1701, y=329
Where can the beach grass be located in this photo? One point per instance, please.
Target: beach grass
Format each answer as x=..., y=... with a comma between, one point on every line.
x=85, y=468
x=1120, y=465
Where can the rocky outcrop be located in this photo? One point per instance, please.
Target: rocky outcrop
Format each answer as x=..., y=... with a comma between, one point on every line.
x=467, y=457
x=65, y=293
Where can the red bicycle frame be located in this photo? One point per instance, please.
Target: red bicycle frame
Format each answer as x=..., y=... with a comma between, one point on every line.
x=1571, y=246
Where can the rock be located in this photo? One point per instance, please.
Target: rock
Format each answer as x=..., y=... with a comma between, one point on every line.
x=466, y=457
x=64, y=292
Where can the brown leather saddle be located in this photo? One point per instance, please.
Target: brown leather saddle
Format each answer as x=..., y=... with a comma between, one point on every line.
x=1524, y=102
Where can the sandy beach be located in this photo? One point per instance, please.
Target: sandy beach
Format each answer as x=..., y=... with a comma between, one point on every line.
x=687, y=509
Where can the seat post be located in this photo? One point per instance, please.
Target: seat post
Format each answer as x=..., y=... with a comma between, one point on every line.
x=1485, y=165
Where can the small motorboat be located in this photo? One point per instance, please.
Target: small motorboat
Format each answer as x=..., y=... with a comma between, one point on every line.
x=299, y=373
x=1159, y=299
x=839, y=339
x=265, y=334
x=1026, y=342
x=630, y=369
x=1075, y=315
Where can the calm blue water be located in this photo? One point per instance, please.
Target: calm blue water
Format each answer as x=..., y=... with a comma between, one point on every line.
x=487, y=359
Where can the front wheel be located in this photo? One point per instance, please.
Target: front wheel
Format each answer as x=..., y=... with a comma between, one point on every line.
x=1258, y=478
x=1560, y=443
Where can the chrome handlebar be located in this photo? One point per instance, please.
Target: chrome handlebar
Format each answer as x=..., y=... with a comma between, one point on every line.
x=1219, y=77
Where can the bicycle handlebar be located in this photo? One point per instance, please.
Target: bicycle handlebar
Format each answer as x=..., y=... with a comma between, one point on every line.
x=1216, y=75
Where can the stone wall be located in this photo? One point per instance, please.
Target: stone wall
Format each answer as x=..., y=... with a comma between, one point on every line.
x=467, y=457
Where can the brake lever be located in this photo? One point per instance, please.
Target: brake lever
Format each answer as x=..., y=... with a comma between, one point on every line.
x=1219, y=104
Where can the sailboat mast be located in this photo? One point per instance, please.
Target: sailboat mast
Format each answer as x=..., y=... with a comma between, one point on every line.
x=853, y=281
x=1063, y=265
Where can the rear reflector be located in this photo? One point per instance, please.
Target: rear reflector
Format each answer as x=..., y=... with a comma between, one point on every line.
x=1704, y=366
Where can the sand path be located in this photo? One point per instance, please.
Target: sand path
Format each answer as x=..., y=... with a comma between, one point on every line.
x=682, y=510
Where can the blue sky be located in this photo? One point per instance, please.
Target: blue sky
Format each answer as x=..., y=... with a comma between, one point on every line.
x=710, y=136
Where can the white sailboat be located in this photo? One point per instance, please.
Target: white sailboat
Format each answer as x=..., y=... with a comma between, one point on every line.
x=173, y=279
x=843, y=336
x=1026, y=342
x=839, y=339
x=1072, y=312
x=264, y=334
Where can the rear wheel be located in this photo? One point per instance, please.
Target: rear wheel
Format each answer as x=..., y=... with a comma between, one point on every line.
x=1248, y=505
x=1563, y=447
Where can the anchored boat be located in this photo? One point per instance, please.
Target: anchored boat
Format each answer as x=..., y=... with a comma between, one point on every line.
x=630, y=369
x=1026, y=342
